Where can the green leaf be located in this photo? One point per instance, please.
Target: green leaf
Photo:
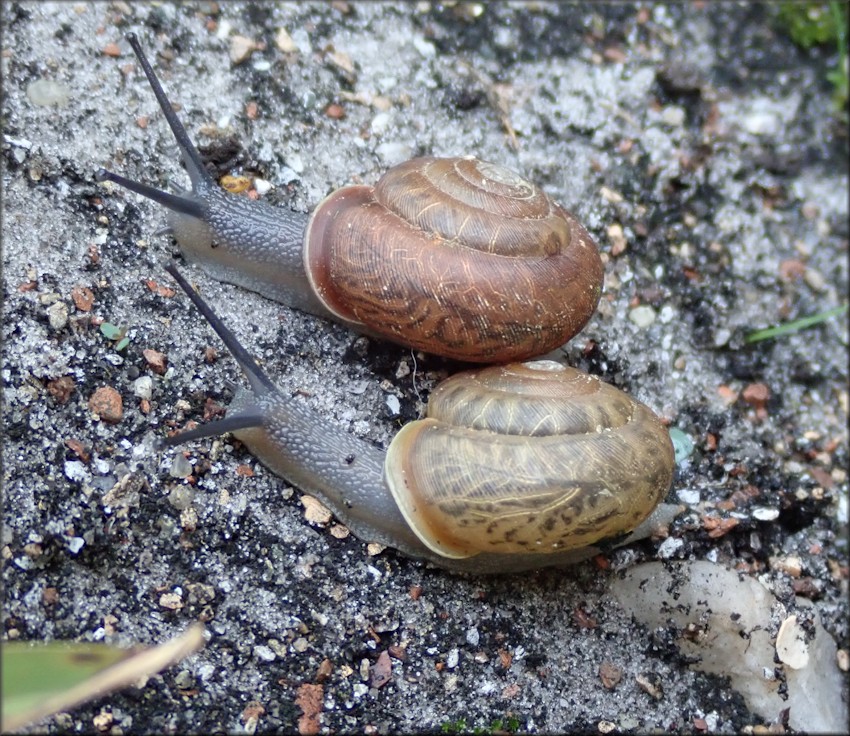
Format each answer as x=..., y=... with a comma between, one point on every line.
x=111, y=331
x=33, y=673
x=808, y=24
x=40, y=679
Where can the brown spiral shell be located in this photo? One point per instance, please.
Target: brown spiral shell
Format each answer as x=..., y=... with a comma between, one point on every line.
x=455, y=256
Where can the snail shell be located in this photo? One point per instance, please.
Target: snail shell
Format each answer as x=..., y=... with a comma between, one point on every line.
x=455, y=256
x=527, y=458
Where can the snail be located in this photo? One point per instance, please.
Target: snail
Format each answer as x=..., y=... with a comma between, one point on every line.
x=453, y=256
x=515, y=467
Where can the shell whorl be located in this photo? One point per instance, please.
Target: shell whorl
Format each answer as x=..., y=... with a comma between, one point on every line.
x=533, y=458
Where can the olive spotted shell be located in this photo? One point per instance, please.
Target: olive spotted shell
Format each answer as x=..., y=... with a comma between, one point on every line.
x=528, y=458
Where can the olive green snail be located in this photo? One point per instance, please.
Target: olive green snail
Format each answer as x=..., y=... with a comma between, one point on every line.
x=515, y=466
x=453, y=256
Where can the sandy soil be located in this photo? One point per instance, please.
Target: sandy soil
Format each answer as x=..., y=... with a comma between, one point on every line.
x=700, y=148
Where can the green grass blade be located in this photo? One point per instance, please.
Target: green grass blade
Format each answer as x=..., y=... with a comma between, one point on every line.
x=798, y=324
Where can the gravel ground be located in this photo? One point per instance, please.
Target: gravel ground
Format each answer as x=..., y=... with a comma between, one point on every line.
x=697, y=144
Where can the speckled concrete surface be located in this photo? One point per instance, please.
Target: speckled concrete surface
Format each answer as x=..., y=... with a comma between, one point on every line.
x=697, y=136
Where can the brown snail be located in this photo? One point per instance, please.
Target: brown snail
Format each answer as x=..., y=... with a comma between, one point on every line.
x=454, y=256
x=515, y=467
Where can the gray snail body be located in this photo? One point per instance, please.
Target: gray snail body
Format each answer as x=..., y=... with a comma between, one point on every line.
x=517, y=466
x=454, y=256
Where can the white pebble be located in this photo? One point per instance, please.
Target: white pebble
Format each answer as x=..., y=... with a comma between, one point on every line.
x=75, y=470
x=264, y=653
x=381, y=122
x=393, y=405
x=46, y=92
x=765, y=514
x=643, y=315
x=180, y=467
x=667, y=314
x=57, y=315
x=689, y=496
x=722, y=336
x=424, y=47
x=262, y=186
x=143, y=387
x=669, y=547
x=394, y=152
x=673, y=116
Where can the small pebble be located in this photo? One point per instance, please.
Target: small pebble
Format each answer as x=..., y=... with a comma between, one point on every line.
x=262, y=186
x=106, y=403
x=46, y=92
x=315, y=511
x=683, y=445
x=381, y=123
x=650, y=683
x=156, y=360
x=394, y=152
x=393, y=405
x=57, y=315
x=673, y=116
x=642, y=316
x=284, y=42
x=184, y=680
x=180, y=497
x=180, y=467
x=814, y=279
x=670, y=547
x=264, y=653
x=241, y=48
x=722, y=337
x=75, y=470
x=689, y=496
x=756, y=394
x=667, y=314
x=143, y=387
x=424, y=47
x=610, y=674
x=171, y=601
x=765, y=514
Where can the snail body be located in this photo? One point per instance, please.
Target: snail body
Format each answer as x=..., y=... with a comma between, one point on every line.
x=515, y=467
x=454, y=256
